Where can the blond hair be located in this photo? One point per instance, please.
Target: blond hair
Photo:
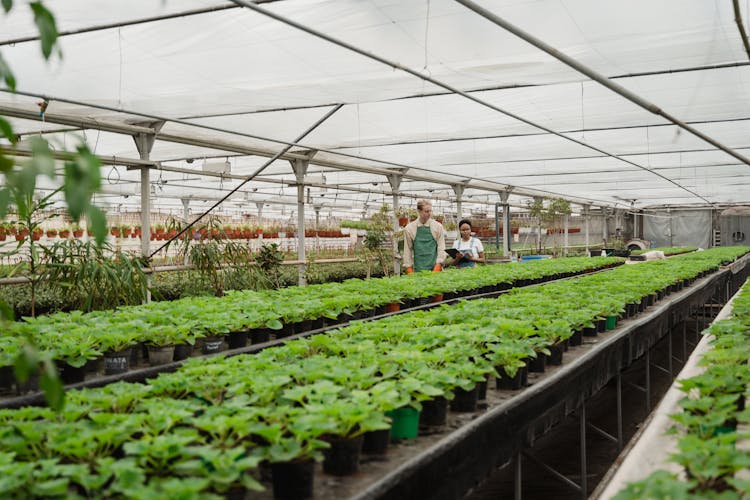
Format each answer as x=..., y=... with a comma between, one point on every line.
x=422, y=203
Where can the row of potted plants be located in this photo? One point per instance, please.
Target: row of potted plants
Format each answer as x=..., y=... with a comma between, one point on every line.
x=709, y=428
x=210, y=427
x=78, y=338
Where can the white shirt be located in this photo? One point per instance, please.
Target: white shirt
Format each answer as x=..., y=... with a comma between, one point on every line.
x=474, y=244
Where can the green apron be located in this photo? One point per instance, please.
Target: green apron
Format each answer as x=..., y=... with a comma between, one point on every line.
x=425, y=250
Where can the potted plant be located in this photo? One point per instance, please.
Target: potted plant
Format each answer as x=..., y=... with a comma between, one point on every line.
x=51, y=233
x=125, y=231
x=77, y=231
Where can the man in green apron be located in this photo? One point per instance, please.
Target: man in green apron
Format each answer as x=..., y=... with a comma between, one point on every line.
x=424, y=241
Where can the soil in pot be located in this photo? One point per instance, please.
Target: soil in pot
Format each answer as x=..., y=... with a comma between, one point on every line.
x=434, y=412
x=160, y=355
x=116, y=362
x=293, y=480
x=376, y=442
x=342, y=458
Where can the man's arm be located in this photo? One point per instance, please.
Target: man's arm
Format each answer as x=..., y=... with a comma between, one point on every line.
x=440, y=243
x=408, y=257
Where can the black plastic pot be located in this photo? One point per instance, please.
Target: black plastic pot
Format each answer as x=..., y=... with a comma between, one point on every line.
x=213, y=344
x=237, y=340
x=182, y=351
x=116, y=362
x=507, y=383
x=539, y=363
x=303, y=326
x=632, y=309
x=482, y=390
x=376, y=442
x=342, y=458
x=556, y=353
x=465, y=401
x=601, y=325
x=70, y=374
x=590, y=331
x=7, y=379
x=434, y=412
x=259, y=336
x=293, y=480
x=160, y=355
x=576, y=338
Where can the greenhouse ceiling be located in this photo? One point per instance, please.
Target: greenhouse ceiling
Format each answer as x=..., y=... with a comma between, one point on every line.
x=444, y=93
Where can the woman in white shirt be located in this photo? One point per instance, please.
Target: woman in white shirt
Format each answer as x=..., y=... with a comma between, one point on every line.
x=470, y=248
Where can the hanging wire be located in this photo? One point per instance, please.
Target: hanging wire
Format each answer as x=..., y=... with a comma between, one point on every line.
x=116, y=171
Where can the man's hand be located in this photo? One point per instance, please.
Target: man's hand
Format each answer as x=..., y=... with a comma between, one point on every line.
x=437, y=268
x=409, y=270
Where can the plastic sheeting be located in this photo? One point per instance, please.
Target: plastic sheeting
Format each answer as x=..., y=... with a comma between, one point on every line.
x=248, y=74
x=682, y=228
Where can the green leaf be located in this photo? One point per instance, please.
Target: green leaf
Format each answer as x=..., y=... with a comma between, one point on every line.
x=7, y=5
x=42, y=158
x=45, y=23
x=52, y=387
x=7, y=130
x=6, y=311
x=6, y=74
x=4, y=201
x=98, y=223
x=27, y=363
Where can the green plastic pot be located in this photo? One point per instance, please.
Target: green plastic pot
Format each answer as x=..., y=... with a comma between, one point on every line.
x=405, y=423
x=611, y=322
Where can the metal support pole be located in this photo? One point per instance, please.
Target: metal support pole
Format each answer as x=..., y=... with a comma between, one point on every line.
x=669, y=349
x=584, y=486
x=458, y=189
x=565, y=235
x=684, y=341
x=497, y=226
x=648, y=381
x=620, y=440
x=259, y=205
x=144, y=143
x=300, y=169
x=586, y=218
x=185, y=208
x=518, y=480
x=395, y=182
x=504, y=195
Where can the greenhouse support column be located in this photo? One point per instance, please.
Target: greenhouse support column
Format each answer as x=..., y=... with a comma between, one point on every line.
x=259, y=206
x=300, y=169
x=185, y=208
x=586, y=218
x=458, y=189
x=605, y=233
x=565, y=235
x=395, y=182
x=317, y=225
x=504, y=195
x=144, y=143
